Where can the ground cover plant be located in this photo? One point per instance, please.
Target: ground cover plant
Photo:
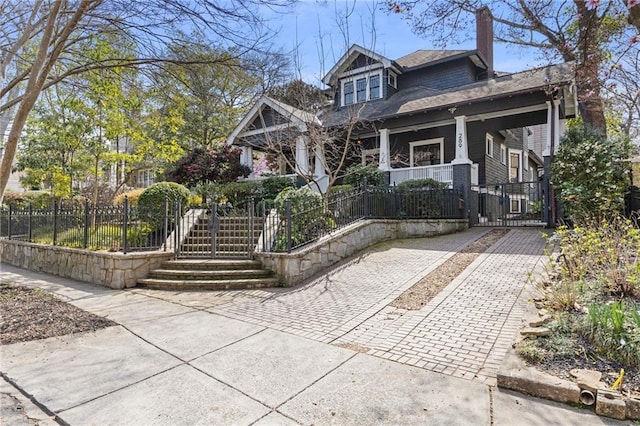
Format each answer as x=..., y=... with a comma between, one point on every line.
x=593, y=296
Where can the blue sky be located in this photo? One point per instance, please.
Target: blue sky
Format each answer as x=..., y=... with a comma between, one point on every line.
x=312, y=26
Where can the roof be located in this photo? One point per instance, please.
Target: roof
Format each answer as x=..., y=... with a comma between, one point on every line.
x=297, y=117
x=348, y=57
x=417, y=99
x=423, y=57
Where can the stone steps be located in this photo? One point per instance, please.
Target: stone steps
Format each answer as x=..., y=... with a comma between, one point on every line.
x=209, y=274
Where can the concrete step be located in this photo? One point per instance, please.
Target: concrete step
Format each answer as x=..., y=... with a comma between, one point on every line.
x=239, y=284
x=211, y=264
x=203, y=275
x=220, y=239
x=220, y=246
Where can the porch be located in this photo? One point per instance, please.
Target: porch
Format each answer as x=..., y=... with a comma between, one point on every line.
x=438, y=172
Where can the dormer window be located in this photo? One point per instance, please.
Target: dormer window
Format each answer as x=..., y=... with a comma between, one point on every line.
x=361, y=87
x=393, y=80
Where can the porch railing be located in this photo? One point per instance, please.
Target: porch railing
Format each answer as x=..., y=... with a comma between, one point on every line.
x=440, y=172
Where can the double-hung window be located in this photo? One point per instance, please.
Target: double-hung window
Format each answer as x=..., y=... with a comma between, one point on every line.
x=374, y=86
x=348, y=92
x=361, y=88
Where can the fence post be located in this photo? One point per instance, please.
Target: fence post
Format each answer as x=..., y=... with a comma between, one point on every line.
x=30, y=223
x=55, y=221
x=288, y=219
x=264, y=225
x=177, y=230
x=9, y=222
x=125, y=223
x=251, y=228
x=86, y=223
x=165, y=232
x=365, y=194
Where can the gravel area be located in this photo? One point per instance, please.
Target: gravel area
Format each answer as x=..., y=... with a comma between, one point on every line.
x=418, y=295
x=31, y=314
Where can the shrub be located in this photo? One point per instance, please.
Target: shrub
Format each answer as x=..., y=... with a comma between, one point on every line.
x=358, y=173
x=308, y=219
x=37, y=199
x=422, y=184
x=151, y=202
x=591, y=173
x=132, y=197
x=238, y=193
x=273, y=185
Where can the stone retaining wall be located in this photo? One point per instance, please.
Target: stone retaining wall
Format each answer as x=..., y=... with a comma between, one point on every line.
x=293, y=268
x=115, y=270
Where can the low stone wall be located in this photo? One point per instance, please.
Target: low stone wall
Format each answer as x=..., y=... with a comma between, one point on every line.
x=292, y=268
x=115, y=270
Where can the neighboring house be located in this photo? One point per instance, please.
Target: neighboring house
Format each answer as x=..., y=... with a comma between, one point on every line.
x=441, y=114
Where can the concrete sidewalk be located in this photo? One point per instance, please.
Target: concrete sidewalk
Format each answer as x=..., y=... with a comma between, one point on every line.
x=286, y=356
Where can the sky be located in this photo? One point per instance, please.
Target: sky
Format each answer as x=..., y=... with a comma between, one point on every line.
x=311, y=28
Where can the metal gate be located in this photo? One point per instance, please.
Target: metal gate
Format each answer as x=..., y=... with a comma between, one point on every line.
x=217, y=231
x=510, y=204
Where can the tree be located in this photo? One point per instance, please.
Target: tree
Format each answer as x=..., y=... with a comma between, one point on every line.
x=203, y=165
x=38, y=35
x=300, y=95
x=329, y=148
x=580, y=31
x=592, y=173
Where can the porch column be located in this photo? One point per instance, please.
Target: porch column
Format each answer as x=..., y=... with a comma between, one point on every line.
x=246, y=156
x=302, y=156
x=384, y=162
x=462, y=145
x=461, y=165
x=318, y=169
x=550, y=211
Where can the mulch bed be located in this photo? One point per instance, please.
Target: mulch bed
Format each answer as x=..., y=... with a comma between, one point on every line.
x=422, y=292
x=32, y=314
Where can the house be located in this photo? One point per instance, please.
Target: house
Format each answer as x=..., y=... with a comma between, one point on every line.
x=440, y=114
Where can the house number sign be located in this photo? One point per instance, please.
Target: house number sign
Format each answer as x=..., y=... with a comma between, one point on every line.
x=459, y=140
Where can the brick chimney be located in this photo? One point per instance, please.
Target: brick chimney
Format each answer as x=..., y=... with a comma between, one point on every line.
x=484, y=36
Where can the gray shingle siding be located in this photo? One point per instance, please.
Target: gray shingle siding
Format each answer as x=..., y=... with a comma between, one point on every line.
x=441, y=76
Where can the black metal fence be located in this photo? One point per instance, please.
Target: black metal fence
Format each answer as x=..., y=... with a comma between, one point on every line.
x=293, y=224
x=108, y=227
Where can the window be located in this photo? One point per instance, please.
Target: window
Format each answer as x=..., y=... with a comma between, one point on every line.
x=425, y=153
x=503, y=154
x=515, y=206
x=393, y=80
x=515, y=170
x=489, y=145
x=361, y=89
x=374, y=86
x=348, y=92
x=525, y=161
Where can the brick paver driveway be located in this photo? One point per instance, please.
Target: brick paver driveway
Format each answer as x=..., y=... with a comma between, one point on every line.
x=465, y=331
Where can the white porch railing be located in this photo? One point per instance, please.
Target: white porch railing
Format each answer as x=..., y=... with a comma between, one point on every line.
x=440, y=172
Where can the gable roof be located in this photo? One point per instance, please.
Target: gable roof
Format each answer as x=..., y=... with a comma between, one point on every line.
x=297, y=117
x=423, y=57
x=346, y=59
x=419, y=98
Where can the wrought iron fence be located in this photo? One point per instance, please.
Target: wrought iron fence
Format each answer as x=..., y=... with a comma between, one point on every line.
x=292, y=225
x=103, y=227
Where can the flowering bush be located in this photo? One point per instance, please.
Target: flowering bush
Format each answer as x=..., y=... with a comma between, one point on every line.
x=208, y=165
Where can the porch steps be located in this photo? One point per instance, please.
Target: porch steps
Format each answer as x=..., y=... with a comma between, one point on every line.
x=209, y=274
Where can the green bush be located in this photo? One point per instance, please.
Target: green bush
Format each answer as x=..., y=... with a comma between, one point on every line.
x=151, y=202
x=358, y=173
x=237, y=193
x=591, y=173
x=37, y=199
x=273, y=185
x=422, y=184
x=307, y=214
